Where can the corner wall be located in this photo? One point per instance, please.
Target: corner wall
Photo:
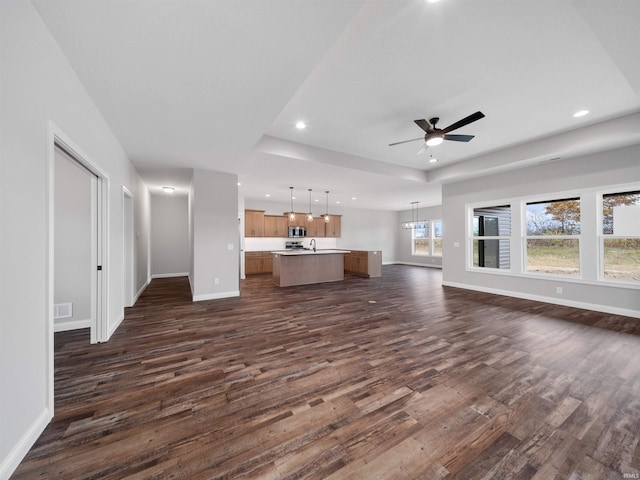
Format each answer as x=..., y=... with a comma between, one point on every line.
x=404, y=237
x=581, y=174
x=216, y=235
x=39, y=88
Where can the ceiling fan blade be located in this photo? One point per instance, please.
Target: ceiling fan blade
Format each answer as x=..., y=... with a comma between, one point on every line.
x=458, y=138
x=465, y=121
x=406, y=141
x=423, y=149
x=425, y=125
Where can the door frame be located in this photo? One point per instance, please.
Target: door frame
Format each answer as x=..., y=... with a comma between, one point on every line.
x=99, y=331
x=128, y=248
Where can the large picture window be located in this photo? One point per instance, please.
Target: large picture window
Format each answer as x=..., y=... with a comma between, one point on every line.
x=621, y=236
x=552, y=242
x=491, y=237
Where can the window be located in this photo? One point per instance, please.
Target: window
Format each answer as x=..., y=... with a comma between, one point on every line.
x=620, y=245
x=420, y=240
x=491, y=237
x=426, y=239
x=436, y=243
x=552, y=242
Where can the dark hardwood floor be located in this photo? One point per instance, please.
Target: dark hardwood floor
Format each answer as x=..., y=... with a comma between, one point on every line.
x=385, y=378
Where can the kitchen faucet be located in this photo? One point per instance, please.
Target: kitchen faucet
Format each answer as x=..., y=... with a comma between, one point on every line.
x=313, y=244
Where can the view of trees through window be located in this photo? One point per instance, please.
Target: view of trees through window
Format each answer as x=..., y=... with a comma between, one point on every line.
x=621, y=235
x=552, y=241
x=427, y=240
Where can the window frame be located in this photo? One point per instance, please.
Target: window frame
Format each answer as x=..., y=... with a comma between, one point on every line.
x=526, y=237
x=601, y=236
x=471, y=238
x=431, y=237
x=413, y=241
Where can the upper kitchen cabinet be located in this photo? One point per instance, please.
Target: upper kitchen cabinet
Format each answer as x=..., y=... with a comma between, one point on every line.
x=254, y=223
x=300, y=220
x=276, y=226
x=315, y=228
x=332, y=227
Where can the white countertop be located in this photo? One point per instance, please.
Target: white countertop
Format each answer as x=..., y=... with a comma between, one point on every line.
x=308, y=252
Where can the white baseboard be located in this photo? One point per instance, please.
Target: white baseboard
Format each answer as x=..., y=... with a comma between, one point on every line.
x=65, y=325
x=554, y=301
x=415, y=264
x=22, y=446
x=170, y=275
x=112, y=329
x=142, y=289
x=215, y=296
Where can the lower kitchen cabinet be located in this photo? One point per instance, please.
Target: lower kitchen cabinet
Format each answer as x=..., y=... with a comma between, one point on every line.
x=364, y=263
x=257, y=263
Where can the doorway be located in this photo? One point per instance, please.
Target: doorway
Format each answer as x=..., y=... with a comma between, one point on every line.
x=128, y=237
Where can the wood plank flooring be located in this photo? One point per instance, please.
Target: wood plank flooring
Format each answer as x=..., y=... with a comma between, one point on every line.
x=385, y=378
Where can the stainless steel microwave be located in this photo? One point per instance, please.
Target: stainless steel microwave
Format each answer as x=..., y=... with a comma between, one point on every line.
x=297, y=232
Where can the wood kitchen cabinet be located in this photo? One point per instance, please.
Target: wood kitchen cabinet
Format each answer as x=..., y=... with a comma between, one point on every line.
x=257, y=263
x=254, y=223
x=332, y=227
x=315, y=228
x=364, y=263
x=299, y=221
x=276, y=226
x=252, y=263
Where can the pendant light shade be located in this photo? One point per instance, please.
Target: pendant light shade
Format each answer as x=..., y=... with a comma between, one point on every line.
x=309, y=215
x=326, y=215
x=292, y=215
x=414, y=223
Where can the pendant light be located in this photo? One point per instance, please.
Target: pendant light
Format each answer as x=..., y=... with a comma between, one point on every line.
x=309, y=215
x=414, y=223
x=326, y=215
x=292, y=215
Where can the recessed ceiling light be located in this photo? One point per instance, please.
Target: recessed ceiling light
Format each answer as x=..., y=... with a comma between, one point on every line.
x=581, y=113
x=316, y=200
x=354, y=198
x=301, y=125
x=239, y=184
x=168, y=189
x=433, y=160
x=432, y=1
x=267, y=194
x=338, y=201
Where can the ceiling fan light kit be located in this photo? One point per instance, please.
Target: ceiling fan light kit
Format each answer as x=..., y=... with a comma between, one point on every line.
x=434, y=140
x=435, y=136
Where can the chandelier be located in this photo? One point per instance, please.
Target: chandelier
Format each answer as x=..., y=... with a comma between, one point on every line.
x=414, y=223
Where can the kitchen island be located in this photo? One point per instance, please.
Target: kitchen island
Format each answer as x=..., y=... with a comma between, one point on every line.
x=304, y=267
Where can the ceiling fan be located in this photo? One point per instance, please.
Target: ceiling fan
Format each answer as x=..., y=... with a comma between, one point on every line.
x=435, y=136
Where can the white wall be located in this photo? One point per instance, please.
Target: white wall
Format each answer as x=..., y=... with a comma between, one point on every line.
x=142, y=236
x=216, y=235
x=170, y=235
x=361, y=229
x=404, y=237
x=73, y=241
x=584, y=175
x=38, y=86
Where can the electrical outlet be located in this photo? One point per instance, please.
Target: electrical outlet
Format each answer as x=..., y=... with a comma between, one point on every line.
x=456, y=244
x=559, y=290
x=216, y=281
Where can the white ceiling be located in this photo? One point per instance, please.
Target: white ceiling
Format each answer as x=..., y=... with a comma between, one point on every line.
x=220, y=84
